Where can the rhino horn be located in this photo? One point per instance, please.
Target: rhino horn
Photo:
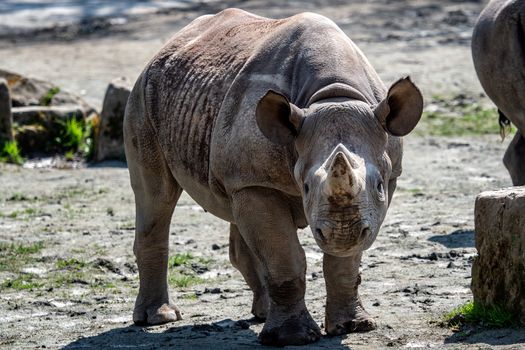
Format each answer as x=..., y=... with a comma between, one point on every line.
x=341, y=180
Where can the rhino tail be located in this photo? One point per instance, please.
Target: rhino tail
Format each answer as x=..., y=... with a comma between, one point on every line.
x=504, y=125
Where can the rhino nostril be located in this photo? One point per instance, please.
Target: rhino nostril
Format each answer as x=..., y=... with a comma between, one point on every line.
x=319, y=233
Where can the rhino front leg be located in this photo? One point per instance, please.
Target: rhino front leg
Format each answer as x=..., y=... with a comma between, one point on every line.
x=250, y=267
x=265, y=222
x=514, y=159
x=344, y=310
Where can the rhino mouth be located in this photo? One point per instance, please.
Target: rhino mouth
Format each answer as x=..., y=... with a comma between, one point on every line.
x=336, y=237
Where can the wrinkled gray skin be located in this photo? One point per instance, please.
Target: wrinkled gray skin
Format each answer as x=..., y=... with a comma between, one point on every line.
x=498, y=51
x=271, y=125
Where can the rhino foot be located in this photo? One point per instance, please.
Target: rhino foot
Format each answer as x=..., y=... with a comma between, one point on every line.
x=154, y=315
x=357, y=321
x=260, y=305
x=283, y=329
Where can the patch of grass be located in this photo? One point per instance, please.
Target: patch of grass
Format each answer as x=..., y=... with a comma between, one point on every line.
x=477, y=314
x=15, y=255
x=31, y=212
x=23, y=281
x=47, y=98
x=11, y=153
x=190, y=296
x=76, y=137
x=182, y=281
x=457, y=116
x=70, y=264
x=180, y=259
x=474, y=121
x=20, y=249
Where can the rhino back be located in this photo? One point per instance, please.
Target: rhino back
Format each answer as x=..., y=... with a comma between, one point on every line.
x=498, y=50
x=187, y=80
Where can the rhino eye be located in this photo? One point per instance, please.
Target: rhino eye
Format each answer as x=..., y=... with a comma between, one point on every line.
x=306, y=188
x=380, y=187
x=381, y=191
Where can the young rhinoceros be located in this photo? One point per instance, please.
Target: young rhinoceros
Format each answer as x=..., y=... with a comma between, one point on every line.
x=270, y=125
x=498, y=52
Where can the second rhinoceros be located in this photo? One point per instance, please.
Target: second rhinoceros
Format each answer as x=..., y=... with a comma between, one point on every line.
x=498, y=52
x=271, y=125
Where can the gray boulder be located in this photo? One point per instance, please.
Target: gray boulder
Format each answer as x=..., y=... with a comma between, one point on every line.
x=109, y=141
x=498, y=272
x=28, y=91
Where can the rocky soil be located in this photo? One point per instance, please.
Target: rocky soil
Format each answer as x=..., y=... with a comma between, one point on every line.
x=68, y=277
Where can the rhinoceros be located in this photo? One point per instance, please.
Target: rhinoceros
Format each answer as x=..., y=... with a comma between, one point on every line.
x=498, y=51
x=271, y=125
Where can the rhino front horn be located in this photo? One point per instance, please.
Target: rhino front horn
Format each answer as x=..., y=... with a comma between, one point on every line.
x=341, y=180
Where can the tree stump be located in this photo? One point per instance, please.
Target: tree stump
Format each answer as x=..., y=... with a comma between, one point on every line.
x=6, y=118
x=498, y=272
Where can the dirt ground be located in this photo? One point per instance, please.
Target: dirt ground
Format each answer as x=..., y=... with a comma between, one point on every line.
x=72, y=279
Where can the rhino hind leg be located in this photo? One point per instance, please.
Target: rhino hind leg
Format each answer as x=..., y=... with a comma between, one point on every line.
x=250, y=267
x=514, y=159
x=266, y=224
x=344, y=311
x=156, y=194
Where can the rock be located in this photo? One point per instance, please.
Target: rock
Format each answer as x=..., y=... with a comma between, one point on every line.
x=39, y=126
x=6, y=118
x=109, y=141
x=498, y=272
x=26, y=91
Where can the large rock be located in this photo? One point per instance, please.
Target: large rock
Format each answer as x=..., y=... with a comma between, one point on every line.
x=40, y=126
x=109, y=140
x=6, y=119
x=498, y=272
x=28, y=91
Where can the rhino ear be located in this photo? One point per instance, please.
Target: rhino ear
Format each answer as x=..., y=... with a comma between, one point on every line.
x=401, y=110
x=277, y=118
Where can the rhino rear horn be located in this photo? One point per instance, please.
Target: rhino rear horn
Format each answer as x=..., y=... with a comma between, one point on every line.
x=341, y=180
x=401, y=110
x=277, y=118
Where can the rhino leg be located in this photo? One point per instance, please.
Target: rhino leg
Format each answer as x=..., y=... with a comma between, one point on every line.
x=251, y=269
x=344, y=310
x=156, y=194
x=266, y=223
x=514, y=159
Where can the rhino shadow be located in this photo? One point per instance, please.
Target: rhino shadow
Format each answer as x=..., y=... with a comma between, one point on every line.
x=503, y=336
x=456, y=239
x=225, y=334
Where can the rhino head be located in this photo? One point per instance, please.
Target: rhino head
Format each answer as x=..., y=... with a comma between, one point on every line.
x=342, y=166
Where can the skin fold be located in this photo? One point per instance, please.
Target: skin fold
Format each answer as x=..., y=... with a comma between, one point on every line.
x=271, y=125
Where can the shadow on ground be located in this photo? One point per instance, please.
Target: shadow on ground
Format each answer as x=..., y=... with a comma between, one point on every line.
x=505, y=336
x=225, y=334
x=456, y=239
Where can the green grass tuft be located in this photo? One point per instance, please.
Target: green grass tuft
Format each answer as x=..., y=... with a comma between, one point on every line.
x=180, y=259
x=71, y=264
x=182, y=281
x=23, y=281
x=47, y=98
x=20, y=249
x=475, y=313
x=10, y=153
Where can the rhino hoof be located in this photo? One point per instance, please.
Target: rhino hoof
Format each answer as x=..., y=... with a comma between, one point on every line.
x=362, y=324
x=156, y=315
x=293, y=331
